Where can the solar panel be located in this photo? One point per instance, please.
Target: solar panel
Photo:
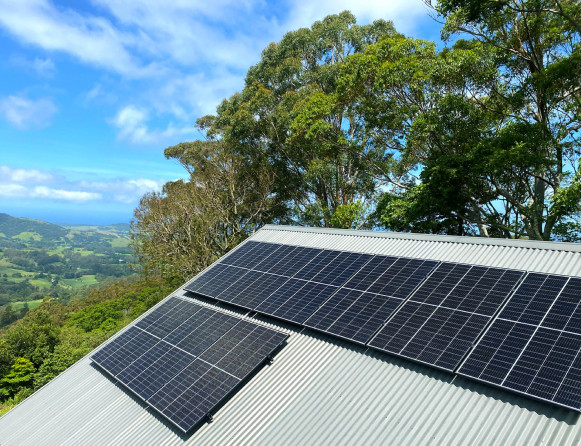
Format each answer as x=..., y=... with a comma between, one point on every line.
x=256, y=292
x=243, y=348
x=124, y=349
x=216, y=280
x=354, y=314
x=296, y=300
x=152, y=370
x=294, y=261
x=441, y=321
x=201, y=331
x=250, y=254
x=401, y=278
x=337, y=272
x=193, y=358
x=190, y=397
x=534, y=345
x=170, y=315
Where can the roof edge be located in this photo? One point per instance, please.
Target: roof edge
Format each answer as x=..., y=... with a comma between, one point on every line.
x=529, y=244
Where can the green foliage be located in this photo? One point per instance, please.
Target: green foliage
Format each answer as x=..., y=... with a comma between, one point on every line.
x=20, y=376
x=349, y=216
x=54, y=336
x=290, y=118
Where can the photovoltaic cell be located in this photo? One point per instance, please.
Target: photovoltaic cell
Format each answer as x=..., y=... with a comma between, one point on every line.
x=243, y=348
x=257, y=291
x=294, y=261
x=373, y=270
x=402, y=277
x=533, y=299
x=152, y=370
x=170, y=315
x=534, y=345
x=278, y=256
x=189, y=397
x=341, y=268
x=202, y=331
x=441, y=321
x=251, y=254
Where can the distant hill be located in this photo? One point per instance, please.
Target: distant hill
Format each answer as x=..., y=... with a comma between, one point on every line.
x=14, y=227
x=40, y=260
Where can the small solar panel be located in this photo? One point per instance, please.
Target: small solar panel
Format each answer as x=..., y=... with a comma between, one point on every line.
x=201, y=331
x=152, y=370
x=197, y=357
x=170, y=315
x=340, y=269
x=294, y=261
x=190, y=397
x=401, y=278
x=534, y=345
x=250, y=254
x=441, y=321
x=243, y=348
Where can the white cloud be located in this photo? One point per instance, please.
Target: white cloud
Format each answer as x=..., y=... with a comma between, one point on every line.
x=22, y=192
x=132, y=124
x=43, y=67
x=99, y=94
x=13, y=191
x=62, y=194
x=93, y=40
x=19, y=183
x=24, y=113
x=8, y=174
x=124, y=191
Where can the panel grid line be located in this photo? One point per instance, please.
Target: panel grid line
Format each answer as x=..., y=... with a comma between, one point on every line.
x=535, y=332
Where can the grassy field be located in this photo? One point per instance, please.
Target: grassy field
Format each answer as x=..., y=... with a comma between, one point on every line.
x=80, y=282
x=31, y=304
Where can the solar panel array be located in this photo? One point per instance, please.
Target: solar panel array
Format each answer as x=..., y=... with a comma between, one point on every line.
x=534, y=346
x=505, y=327
x=441, y=321
x=183, y=359
x=346, y=294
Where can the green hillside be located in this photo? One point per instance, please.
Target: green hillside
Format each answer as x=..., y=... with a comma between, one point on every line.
x=15, y=227
x=40, y=260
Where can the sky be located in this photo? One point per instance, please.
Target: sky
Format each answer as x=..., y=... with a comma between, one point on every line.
x=93, y=91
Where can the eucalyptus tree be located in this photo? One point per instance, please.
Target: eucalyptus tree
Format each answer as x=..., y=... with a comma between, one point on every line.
x=535, y=100
x=182, y=229
x=290, y=115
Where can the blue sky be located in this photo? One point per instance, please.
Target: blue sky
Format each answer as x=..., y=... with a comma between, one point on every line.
x=93, y=91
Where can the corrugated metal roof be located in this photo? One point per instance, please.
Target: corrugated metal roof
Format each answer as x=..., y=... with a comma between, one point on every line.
x=321, y=390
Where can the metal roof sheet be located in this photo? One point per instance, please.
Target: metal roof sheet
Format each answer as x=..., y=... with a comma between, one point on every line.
x=321, y=390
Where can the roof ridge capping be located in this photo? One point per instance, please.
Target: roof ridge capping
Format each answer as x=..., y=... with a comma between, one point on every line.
x=529, y=244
